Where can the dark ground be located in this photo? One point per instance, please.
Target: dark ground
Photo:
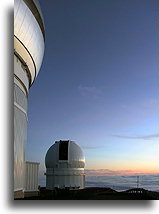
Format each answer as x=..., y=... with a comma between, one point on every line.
x=94, y=193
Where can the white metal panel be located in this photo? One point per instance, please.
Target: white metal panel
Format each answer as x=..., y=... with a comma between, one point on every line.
x=20, y=98
x=65, y=181
x=75, y=154
x=16, y=82
x=52, y=156
x=25, y=55
x=65, y=171
x=31, y=176
x=20, y=72
x=20, y=125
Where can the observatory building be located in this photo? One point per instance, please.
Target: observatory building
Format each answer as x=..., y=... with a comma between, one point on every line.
x=29, y=39
x=65, y=166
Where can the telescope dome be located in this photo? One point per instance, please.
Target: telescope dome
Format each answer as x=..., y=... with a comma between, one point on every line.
x=65, y=166
x=29, y=36
x=64, y=152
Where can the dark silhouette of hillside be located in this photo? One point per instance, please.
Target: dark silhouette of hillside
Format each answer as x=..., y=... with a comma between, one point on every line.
x=95, y=193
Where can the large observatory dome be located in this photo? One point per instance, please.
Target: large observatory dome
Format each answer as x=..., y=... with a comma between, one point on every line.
x=29, y=39
x=65, y=166
x=29, y=35
x=64, y=152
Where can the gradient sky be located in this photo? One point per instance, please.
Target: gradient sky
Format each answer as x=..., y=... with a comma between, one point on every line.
x=98, y=84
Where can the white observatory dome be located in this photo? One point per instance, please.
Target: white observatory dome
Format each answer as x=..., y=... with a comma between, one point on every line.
x=65, y=151
x=64, y=166
x=29, y=35
x=29, y=44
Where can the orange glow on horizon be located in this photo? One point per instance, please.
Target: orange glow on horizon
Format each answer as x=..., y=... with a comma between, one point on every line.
x=119, y=172
x=122, y=167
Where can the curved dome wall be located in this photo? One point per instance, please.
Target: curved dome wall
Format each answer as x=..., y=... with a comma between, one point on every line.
x=65, y=166
x=29, y=36
x=29, y=39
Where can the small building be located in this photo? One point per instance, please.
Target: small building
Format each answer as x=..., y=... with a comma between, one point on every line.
x=65, y=166
x=31, y=179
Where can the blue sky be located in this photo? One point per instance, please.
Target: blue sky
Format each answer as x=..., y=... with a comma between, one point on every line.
x=98, y=83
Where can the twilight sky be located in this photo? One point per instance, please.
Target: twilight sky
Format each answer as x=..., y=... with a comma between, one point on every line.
x=98, y=84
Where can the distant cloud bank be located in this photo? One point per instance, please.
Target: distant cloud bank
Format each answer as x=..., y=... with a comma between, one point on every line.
x=144, y=137
x=108, y=172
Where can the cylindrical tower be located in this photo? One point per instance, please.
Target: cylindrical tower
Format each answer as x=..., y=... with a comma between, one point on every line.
x=65, y=166
x=29, y=36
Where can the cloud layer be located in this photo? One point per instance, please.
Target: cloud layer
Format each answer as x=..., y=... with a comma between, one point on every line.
x=106, y=172
x=143, y=137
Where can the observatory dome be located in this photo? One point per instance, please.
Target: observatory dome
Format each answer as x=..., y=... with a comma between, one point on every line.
x=64, y=151
x=29, y=41
x=29, y=35
x=65, y=166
